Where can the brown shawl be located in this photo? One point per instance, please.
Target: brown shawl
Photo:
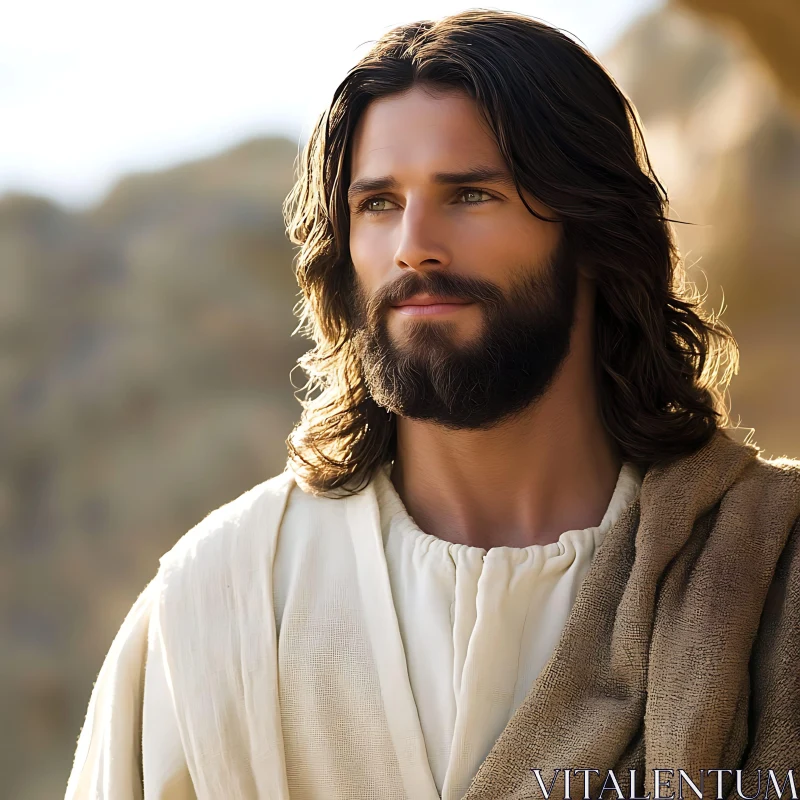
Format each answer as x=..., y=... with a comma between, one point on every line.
x=682, y=650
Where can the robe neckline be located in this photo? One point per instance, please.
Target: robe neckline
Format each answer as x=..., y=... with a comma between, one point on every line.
x=364, y=523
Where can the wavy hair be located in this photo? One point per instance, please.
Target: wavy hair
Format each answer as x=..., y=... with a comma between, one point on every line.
x=573, y=140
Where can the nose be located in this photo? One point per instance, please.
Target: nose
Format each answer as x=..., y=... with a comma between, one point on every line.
x=422, y=244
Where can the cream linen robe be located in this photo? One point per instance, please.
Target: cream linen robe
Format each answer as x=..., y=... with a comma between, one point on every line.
x=351, y=656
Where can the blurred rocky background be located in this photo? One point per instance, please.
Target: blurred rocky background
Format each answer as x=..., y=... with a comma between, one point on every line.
x=721, y=111
x=146, y=344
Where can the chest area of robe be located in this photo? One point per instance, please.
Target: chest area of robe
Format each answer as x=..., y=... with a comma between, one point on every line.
x=402, y=657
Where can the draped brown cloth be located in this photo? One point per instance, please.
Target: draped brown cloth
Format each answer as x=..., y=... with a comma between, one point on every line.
x=682, y=650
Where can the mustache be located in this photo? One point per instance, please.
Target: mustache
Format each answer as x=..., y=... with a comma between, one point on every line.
x=434, y=283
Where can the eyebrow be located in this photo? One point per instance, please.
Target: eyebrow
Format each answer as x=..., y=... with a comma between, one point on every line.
x=479, y=174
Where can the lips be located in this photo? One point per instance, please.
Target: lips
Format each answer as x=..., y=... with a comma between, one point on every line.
x=431, y=301
x=431, y=306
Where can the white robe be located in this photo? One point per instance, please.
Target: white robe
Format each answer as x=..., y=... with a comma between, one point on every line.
x=293, y=647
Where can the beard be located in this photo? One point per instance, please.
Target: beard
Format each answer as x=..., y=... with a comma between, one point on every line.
x=506, y=368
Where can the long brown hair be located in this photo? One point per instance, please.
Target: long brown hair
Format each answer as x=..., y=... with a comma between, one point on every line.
x=572, y=139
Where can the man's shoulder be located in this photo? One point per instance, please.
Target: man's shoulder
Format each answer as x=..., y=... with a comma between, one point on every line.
x=781, y=464
x=220, y=575
x=235, y=530
x=771, y=487
x=779, y=475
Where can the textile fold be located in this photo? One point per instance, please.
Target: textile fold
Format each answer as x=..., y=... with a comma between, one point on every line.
x=665, y=662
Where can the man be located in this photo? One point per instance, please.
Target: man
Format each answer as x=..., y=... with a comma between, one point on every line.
x=513, y=544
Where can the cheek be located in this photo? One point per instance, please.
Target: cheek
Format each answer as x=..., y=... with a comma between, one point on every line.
x=530, y=238
x=495, y=252
x=367, y=252
x=541, y=237
x=514, y=236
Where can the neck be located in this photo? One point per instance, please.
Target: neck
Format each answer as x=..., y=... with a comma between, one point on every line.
x=524, y=486
x=549, y=470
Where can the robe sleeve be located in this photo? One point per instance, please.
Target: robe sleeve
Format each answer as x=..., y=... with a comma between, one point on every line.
x=129, y=747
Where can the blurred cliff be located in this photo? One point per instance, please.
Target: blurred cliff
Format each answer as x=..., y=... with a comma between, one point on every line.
x=770, y=27
x=145, y=381
x=725, y=138
x=146, y=353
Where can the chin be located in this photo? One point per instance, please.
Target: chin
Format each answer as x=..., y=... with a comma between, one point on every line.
x=432, y=332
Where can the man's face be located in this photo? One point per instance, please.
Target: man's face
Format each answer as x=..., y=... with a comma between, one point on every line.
x=511, y=282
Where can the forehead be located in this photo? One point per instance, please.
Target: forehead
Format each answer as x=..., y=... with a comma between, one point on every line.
x=420, y=130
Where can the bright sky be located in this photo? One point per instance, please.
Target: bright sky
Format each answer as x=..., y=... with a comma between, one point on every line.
x=91, y=89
